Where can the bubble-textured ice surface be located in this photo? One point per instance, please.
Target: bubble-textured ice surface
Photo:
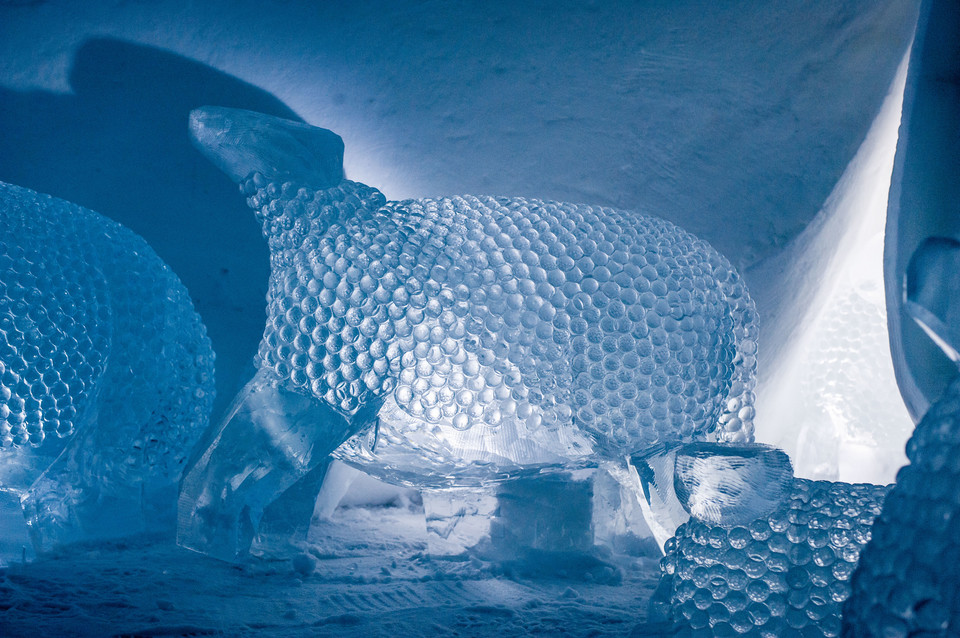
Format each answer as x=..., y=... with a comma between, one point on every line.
x=103, y=361
x=467, y=336
x=908, y=583
x=852, y=339
x=783, y=574
x=499, y=318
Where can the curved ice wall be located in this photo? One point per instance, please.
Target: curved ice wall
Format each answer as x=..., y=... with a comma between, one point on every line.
x=459, y=339
x=106, y=372
x=908, y=582
x=827, y=390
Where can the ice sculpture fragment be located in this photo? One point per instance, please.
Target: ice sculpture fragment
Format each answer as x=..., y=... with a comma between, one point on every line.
x=456, y=340
x=106, y=372
x=908, y=582
x=730, y=484
x=785, y=571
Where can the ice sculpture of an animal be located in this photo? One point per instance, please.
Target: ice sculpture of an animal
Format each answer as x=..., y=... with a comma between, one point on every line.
x=763, y=553
x=106, y=372
x=908, y=581
x=455, y=339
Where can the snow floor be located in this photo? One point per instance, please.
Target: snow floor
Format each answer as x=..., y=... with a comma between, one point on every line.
x=343, y=583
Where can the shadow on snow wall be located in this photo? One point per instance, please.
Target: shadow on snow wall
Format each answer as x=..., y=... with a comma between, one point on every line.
x=118, y=145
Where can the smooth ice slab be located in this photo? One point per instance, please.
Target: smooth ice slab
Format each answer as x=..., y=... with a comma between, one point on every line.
x=730, y=484
x=106, y=372
x=270, y=439
x=466, y=338
x=241, y=142
x=932, y=292
x=720, y=484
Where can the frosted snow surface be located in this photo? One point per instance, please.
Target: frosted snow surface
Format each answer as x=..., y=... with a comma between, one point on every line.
x=466, y=337
x=106, y=372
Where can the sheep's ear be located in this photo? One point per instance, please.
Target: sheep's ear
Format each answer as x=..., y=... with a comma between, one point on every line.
x=242, y=143
x=731, y=484
x=932, y=292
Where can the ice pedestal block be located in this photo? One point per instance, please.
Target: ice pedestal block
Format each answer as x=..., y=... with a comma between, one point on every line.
x=106, y=373
x=770, y=556
x=580, y=511
x=580, y=524
x=484, y=336
x=458, y=518
x=908, y=582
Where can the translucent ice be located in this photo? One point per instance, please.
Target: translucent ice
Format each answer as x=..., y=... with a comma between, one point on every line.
x=459, y=339
x=786, y=570
x=106, y=372
x=933, y=291
x=730, y=484
x=908, y=582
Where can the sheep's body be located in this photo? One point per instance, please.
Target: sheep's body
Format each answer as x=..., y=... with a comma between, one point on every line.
x=503, y=331
x=458, y=339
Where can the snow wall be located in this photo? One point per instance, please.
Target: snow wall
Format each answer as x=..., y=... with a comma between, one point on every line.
x=737, y=122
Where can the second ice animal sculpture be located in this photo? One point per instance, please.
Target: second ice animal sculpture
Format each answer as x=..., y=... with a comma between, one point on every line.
x=106, y=372
x=457, y=340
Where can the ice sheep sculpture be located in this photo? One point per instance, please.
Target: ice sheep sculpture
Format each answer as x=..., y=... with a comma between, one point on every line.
x=106, y=372
x=456, y=340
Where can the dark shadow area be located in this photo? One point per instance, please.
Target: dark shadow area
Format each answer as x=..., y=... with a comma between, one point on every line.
x=118, y=145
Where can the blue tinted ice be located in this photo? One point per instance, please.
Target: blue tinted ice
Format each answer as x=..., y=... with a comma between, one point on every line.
x=932, y=291
x=731, y=484
x=785, y=571
x=908, y=582
x=469, y=337
x=106, y=372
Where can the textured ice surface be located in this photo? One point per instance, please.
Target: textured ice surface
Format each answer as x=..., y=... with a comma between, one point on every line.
x=785, y=573
x=730, y=485
x=470, y=336
x=908, y=582
x=106, y=372
x=849, y=392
